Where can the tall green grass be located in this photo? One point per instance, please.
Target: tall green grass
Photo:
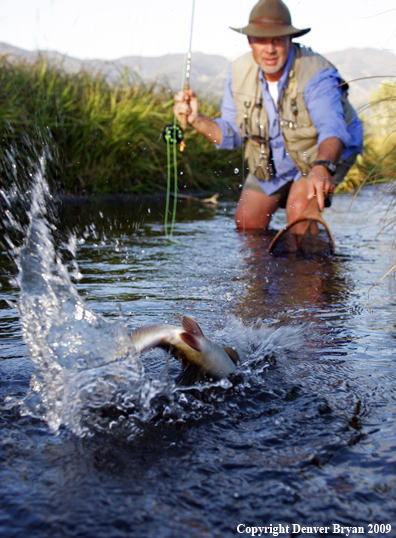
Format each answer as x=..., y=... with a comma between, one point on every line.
x=378, y=163
x=102, y=138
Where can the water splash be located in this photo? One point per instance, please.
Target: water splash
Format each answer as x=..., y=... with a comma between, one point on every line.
x=88, y=377
x=261, y=343
x=83, y=363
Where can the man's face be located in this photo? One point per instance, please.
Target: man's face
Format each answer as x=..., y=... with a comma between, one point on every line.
x=271, y=54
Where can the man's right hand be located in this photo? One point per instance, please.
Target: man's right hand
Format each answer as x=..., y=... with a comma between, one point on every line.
x=186, y=106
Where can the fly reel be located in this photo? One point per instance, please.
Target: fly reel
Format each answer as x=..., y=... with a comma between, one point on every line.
x=173, y=134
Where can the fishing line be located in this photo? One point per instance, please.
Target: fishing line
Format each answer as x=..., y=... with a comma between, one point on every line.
x=242, y=155
x=173, y=135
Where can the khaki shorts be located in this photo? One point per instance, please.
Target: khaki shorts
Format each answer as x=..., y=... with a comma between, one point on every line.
x=282, y=193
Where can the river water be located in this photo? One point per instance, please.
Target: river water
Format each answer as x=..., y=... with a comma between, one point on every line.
x=96, y=441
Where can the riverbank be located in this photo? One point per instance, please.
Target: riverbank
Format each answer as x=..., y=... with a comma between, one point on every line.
x=100, y=138
x=132, y=198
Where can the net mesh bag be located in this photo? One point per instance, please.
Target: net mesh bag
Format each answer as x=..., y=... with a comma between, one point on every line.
x=305, y=238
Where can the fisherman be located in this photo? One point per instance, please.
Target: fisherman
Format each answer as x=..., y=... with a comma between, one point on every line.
x=290, y=105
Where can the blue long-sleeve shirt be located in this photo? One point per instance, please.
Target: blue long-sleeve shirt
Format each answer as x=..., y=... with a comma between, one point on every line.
x=322, y=98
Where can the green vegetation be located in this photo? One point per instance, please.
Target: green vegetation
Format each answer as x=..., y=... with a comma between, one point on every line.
x=106, y=138
x=378, y=163
x=101, y=138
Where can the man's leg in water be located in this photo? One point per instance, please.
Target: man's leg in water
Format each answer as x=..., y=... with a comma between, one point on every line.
x=254, y=210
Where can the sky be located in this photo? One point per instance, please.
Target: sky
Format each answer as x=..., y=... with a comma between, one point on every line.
x=111, y=29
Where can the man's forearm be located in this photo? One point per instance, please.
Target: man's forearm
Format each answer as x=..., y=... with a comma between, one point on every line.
x=320, y=182
x=331, y=149
x=208, y=128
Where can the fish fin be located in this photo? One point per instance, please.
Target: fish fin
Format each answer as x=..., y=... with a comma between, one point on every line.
x=191, y=341
x=233, y=355
x=191, y=326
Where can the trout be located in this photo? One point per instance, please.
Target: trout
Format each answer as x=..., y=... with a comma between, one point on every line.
x=188, y=344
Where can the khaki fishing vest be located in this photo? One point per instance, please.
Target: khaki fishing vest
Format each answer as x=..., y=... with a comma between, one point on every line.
x=299, y=133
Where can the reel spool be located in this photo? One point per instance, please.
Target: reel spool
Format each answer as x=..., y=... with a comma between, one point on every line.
x=173, y=134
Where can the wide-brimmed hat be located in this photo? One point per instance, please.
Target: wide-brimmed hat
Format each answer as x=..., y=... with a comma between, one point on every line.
x=270, y=18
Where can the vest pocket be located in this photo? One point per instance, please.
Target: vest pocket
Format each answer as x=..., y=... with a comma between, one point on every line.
x=303, y=117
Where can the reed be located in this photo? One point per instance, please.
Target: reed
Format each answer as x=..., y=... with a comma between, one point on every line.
x=101, y=138
x=378, y=163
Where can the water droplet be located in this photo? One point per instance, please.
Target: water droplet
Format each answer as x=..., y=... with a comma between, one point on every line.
x=236, y=170
x=148, y=210
x=225, y=383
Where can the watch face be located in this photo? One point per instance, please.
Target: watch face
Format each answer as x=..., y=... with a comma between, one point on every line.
x=331, y=168
x=328, y=164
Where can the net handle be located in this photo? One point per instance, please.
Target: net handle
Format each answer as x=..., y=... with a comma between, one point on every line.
x=311, y=213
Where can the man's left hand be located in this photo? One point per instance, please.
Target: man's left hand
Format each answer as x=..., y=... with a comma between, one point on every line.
x=320, y=184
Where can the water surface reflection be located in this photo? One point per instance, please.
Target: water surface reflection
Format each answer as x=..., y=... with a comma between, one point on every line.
x=305, y=433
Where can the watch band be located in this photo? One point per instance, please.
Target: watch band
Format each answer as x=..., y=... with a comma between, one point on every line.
x=327, y=164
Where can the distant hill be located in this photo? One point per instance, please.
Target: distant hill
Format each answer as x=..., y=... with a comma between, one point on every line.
x=209, y=72
x=358, y=63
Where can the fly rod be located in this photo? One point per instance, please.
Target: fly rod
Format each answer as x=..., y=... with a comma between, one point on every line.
x=173, y=134
x=183, y=119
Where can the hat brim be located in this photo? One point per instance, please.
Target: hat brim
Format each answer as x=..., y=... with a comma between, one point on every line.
x=257, y=30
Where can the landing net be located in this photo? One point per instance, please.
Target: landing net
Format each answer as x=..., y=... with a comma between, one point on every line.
x=306, y=238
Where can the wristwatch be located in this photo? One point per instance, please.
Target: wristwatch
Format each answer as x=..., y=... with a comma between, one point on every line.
x=327, y=164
